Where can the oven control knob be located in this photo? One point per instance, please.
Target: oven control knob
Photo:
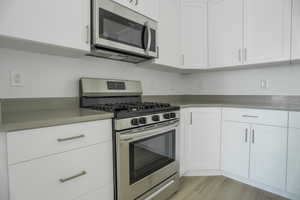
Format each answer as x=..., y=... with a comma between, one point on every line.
x=143, y=120
x=135, y=122
x=167, y=116
x=173, y=115
x=155, y=118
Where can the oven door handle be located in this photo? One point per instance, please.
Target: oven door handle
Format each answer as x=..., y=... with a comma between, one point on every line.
x=127, y=138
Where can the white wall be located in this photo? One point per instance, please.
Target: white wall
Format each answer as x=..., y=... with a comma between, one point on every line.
x=52, y=76
x=282, y=80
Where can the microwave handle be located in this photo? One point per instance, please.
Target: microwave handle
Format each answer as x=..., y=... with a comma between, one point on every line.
x=147, y=49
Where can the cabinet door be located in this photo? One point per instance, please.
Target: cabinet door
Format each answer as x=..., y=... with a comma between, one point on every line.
x=169, y=33
x=204, y=141
x=183, y=138
x=268, y=155
x=148, y=8
x=235, y=148
x=296, y=30
x=267, y=31
x=293, y=170
x=194, y=34
x=225, y=32
x=56, y=22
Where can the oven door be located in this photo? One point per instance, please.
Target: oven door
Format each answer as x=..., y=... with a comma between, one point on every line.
x=119, y=28
x=145, y=159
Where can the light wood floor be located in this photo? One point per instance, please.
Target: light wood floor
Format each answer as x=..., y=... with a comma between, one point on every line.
x=219, y=188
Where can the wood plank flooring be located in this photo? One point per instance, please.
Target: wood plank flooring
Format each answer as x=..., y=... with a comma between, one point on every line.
x=219, y=188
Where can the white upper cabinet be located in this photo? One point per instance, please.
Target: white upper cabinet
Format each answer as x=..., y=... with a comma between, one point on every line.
x=267, y=31
x=194, y=34
x=235, y=148
x=225, y=33
x=57, y=22
x=268, y=155
x=296, y=30
x=204, y=139
x=145, y=7
x=169, y=33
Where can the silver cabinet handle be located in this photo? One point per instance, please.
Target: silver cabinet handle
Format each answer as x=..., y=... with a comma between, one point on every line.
x=87, y=27
x=70, y=138
x=253, y=136
x=191, y=118
x=240, y=55
x=250, y=116
x=63, y=180
x=246, y=135
x=245, y=54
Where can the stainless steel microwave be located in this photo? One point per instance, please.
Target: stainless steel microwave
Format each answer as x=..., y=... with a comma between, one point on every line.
x=120, y=33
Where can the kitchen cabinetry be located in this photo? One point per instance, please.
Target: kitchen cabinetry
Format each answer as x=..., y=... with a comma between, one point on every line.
x=184, y=131
x=225, y=33
x=296, y=30
x=268, y=155
x=267, y=145
x=194, y=34
x=145, y=7
x=169, y=33
x=267, y=29
x=56, y=22
x=62, y=162
x=204, y=139
x=293, y=168
x=235, y=148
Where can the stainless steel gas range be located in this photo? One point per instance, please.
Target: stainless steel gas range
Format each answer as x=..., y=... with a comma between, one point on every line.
x=144, y=138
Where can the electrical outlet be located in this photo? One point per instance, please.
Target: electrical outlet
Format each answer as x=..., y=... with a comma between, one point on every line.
x=16, y=79
x=264, y=84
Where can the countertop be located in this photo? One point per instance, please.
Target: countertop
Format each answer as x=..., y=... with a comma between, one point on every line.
x=250, y=106
x=14, y=121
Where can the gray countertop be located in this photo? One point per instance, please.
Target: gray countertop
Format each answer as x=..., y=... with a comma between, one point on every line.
x=14, y=121
x=250, y=106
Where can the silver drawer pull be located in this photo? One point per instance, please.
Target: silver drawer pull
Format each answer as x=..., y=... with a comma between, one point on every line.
x=63, y=180
x=250, y=116
x=70, y=138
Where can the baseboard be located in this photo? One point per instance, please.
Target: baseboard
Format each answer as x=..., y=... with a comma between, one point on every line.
x=203, y=173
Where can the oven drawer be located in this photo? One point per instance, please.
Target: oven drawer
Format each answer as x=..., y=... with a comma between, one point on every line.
x=63, y=176
x=267, y=117
x=35, y=143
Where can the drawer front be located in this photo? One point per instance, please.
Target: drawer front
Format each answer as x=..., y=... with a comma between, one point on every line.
x=63, y=176
x=294, y=120
x=105, y=193
x=267, y=117
x=35, y=143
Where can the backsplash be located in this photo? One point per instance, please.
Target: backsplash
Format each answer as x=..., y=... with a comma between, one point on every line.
x=54, y=76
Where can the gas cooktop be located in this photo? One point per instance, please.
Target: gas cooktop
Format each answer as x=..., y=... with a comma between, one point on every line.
x=135, y=109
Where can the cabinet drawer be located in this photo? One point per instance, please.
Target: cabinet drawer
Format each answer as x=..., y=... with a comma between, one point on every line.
x=49, y=178
x=267, y=117
x=294, y=119
x=30, y=144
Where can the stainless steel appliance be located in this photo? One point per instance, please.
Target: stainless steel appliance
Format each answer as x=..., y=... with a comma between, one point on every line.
x=122, y=34
x=144, y=134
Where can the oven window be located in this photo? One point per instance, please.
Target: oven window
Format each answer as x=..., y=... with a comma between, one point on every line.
x=151, y=154
x=119, y=29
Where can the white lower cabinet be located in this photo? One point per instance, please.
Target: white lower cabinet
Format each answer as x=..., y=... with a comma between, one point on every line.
x=201, y=132
x=235, y=148
x=204, y=139
x=268, y=155
x=64, y=176
x=293, y=166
